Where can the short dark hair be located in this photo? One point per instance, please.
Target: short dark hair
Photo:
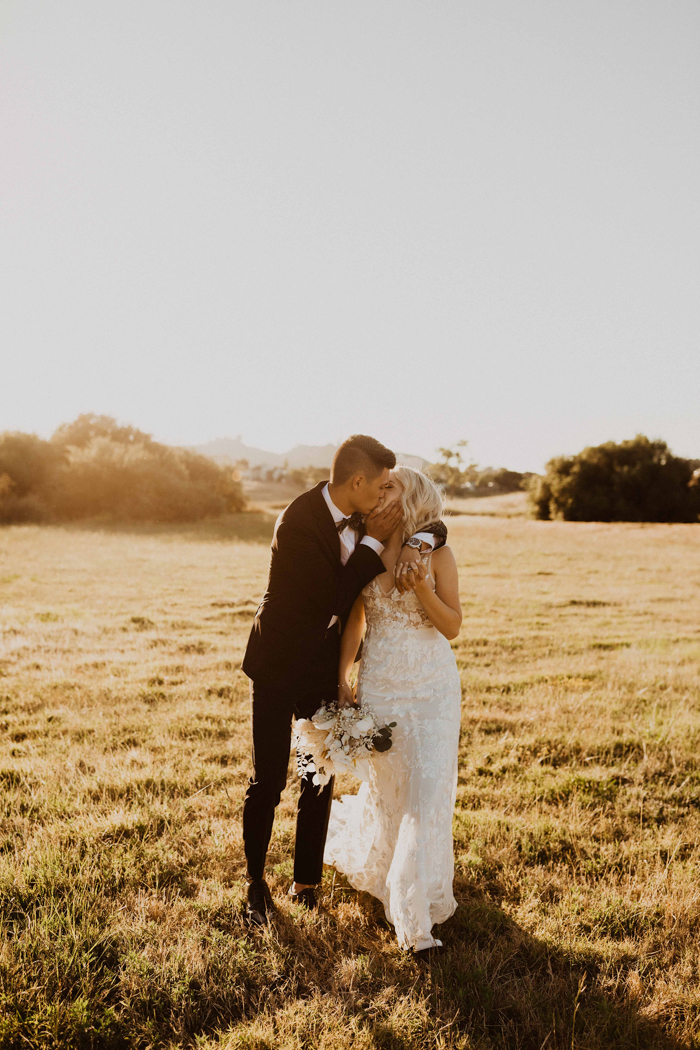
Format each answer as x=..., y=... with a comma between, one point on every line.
x=360, y=454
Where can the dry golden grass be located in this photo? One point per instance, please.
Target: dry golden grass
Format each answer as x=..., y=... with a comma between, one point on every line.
x=124, y=754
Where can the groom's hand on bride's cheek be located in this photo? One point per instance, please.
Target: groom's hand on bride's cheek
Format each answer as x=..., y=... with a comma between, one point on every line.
x=382, y=522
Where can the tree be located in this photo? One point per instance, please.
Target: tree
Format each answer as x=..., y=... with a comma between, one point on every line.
x=452, y=472
x=29, y=468
x=501, y=480
x=145, y=482
x=94, y=467
x=88, y=426
x=637, y=480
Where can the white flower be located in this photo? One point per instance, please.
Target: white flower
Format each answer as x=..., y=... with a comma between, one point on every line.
x=363, y=725
x=336, y=740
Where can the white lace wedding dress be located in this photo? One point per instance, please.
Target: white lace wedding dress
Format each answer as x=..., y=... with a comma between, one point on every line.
x=394, y=838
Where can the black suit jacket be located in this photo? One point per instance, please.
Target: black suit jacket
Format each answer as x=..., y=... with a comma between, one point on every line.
x=307, y=586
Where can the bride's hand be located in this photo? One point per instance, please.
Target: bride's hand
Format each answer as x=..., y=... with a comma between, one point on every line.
x=407, y=560
x=416, y=578
x=345, y=695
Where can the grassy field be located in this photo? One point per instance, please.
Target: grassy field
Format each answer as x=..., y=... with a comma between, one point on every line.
x=123, y=757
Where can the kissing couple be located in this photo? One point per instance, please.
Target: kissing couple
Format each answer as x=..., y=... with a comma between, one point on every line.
x=363, y=554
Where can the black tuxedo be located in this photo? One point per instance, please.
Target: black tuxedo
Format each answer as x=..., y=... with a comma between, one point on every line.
x=292, y=658
x=307, y=586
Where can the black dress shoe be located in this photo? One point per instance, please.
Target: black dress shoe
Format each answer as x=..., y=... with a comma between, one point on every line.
x=259, y=903
x=306, y=897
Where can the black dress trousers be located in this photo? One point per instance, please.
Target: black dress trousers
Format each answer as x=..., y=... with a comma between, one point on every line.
x=272, y=709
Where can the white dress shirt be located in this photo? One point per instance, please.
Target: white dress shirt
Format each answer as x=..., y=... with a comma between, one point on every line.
x=348, y=537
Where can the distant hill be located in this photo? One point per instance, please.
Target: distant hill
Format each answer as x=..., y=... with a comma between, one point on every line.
x=230, y=450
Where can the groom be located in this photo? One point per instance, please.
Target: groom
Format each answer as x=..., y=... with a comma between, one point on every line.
x=322, y=556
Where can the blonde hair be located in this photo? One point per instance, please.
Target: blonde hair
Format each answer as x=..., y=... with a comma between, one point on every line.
x=421, y=500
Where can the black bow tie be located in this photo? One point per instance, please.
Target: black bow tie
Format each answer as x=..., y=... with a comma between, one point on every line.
x=353, y=522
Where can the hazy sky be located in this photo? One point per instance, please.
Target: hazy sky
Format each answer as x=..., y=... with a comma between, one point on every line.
x=422, y=219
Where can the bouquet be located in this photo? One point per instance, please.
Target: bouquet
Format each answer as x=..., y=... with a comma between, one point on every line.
x=339, y=740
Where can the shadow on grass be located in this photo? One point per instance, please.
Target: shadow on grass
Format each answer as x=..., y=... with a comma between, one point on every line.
x=493, y=987
x=312, y=980
x=521, y=992
x=247, y=527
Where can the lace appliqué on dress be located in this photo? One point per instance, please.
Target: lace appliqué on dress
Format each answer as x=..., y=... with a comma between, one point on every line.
x=394, y=838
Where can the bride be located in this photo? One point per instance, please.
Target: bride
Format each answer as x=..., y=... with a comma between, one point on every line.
x=394, y=838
